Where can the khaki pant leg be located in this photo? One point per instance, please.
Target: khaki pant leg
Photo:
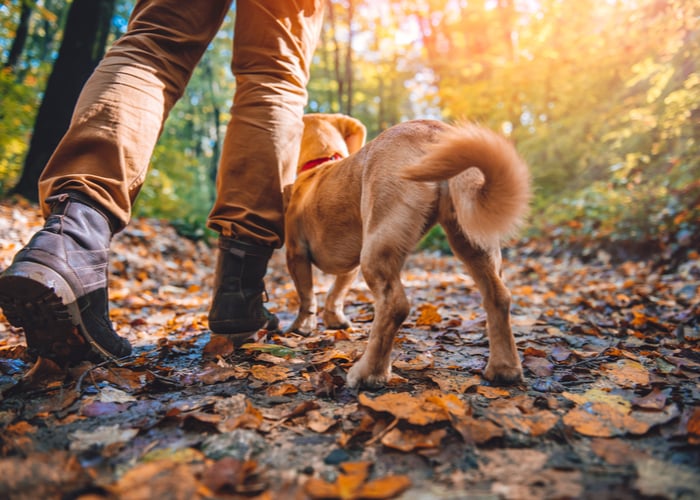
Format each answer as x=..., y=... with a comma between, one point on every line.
x=273, y=43
x=120, y=113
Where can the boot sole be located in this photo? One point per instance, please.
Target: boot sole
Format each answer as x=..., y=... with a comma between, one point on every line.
x=240, y=338
x=41, y=302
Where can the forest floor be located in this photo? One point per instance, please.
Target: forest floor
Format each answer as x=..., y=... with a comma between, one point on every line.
x=610, y=405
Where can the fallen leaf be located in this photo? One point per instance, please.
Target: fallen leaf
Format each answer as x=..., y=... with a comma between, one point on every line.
x=102, y=436
x=455, y=382
x=655, y=400
x=539, y=366
x=429, y=315
x=626, y=373
x=237, y=412
x=269, y=374
x=281, y=389
x=318, y=422
x=218, y=346
x=492, y=392
x=184, y=455
x=403, y=406
x=409, y=439
x=42, y=475
x=161, y=479
x=230, y=475
x=420, y=362
x=273, y=349
x=97, y=408
x=350, y=485
x=476, y=431
x=694, y=427
x=614, y=451
x=109, y=394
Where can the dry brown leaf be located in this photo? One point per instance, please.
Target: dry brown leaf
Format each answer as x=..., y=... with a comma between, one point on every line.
x=237, y=412
x=451, y=403
x=323, y=384
x=492, y=392
x=351, y=485
x=520, y=414
x=218, y=346
x=318, y=422
x=614, y=451
x=403, y=406
x=455, y=382
x=409, y=439
x=694, y=427
x=476, y=431
x=269, y=374
x=603, y=420
x=231, y=475
x=655, y=400
x=384, y=488
x=160, y=479
x=626, y=373
x=214, y=374
x=429, y=315
x=281, y=389
x=539, y=366
x=420, y=362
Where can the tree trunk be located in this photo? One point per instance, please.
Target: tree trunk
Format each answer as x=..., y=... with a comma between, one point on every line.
x=348, y=60
x=20, y=39
x=336, y=56
x=83, y=45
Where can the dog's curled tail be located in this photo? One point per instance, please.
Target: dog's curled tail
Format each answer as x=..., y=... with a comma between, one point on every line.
x=489, y=182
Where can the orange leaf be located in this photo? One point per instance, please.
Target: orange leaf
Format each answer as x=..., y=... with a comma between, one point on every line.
x=694, y=423
x=409, y=439
x=415, y=410
x=317, y=488
x=428, y=315
x=386, y=487
x=269, y=374
x=455, y=382
x=492, y=392
x=626, y=373
x=281, y=389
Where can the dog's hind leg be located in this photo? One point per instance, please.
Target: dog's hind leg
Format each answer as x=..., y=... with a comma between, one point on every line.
x=333, y=315
x=381, y=264
x=485, y=267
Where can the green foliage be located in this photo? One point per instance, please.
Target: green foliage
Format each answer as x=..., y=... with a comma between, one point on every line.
x=18, y=106
x=435, y=240
x=601, y=98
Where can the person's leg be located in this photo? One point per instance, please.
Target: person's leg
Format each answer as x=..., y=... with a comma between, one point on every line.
x=56, y=287
x=273, y=45
x=120, y=113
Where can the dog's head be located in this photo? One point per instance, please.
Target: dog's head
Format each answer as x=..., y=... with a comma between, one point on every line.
x=328, y=136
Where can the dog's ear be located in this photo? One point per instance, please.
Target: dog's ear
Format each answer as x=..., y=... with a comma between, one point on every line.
x=353, y=131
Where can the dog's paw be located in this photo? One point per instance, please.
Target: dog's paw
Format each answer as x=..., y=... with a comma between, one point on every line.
x=303, y=324
x=504, y=374
x=335, y=321
x=362, y=376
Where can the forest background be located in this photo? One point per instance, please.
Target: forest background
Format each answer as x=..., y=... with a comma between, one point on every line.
x=601, y=98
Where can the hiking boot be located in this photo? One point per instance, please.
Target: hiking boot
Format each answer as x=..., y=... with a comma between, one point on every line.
x=56, y=287
x=237, y=309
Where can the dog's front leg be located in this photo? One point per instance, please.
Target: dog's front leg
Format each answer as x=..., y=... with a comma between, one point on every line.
x=299, y=267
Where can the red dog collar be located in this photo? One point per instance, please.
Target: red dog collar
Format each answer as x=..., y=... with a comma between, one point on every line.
x=319, y=161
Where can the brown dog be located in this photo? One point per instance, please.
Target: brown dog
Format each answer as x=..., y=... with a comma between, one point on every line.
x=369, y=209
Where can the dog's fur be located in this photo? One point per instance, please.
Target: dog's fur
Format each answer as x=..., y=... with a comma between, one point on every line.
x=368, y=210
